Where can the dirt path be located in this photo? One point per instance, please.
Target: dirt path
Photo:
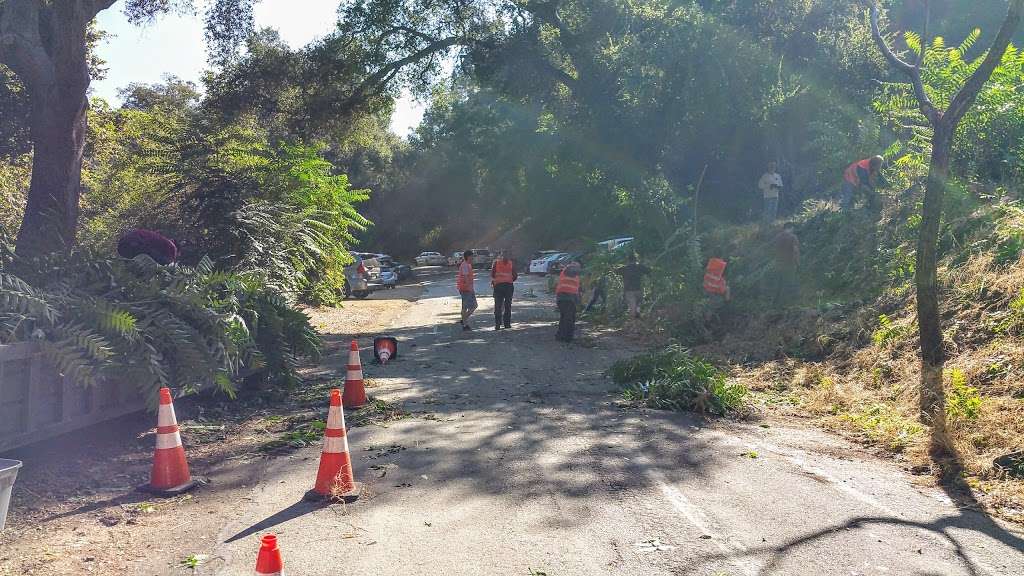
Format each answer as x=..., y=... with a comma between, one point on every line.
x=75, y=510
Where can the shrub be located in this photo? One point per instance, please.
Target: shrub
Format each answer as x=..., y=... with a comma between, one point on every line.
x=176, y=326
x=889, y=333
x=963, y=402
x=675, y=380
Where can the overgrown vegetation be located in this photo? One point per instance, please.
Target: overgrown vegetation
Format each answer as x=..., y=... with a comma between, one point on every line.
x=676, y=380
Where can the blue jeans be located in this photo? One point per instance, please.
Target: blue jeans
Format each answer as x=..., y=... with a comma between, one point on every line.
x=846, y=196
x=771, y=209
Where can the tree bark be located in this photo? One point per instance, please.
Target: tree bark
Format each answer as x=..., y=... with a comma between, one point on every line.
x=58, y=132
x=45, y=44
x=929, y=317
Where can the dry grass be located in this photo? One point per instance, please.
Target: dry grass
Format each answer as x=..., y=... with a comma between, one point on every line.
x=865, y=386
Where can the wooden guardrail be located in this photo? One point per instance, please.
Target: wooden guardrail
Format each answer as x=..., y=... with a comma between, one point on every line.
x=36, y=403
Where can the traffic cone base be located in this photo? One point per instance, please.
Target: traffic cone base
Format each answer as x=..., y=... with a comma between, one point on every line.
x=169, y=475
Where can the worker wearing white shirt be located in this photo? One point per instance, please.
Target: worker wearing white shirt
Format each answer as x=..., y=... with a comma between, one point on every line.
x=770, y=184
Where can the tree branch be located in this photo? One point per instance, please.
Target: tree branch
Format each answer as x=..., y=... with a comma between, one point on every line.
x=969, y=92
x=374, y=82
x=911, y=71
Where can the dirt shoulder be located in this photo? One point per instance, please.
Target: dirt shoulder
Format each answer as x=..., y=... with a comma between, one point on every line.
x=75, y=509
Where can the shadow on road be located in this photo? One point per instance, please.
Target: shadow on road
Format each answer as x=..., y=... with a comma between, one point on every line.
x=300, y=508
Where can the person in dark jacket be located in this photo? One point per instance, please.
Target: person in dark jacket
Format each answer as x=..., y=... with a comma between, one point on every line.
x=153, y=244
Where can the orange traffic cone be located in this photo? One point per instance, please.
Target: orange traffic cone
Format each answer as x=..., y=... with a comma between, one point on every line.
x=170, y=475
x=385, y=348
x=334, y=478
x=355, y=392
x=268, y=563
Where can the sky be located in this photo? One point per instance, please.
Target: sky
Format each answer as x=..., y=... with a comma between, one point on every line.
x=174, y=45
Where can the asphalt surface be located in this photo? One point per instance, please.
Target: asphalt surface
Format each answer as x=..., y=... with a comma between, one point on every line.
x=517, y=459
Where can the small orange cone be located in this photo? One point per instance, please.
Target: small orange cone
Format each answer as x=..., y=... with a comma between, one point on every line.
x=268, y=563
x=169, y=475
x=385, y=348
x=355, y=391
x=334, y=478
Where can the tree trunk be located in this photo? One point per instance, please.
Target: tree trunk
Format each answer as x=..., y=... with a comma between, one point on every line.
x=929, y=319
x=45, y=44
x=58, y=134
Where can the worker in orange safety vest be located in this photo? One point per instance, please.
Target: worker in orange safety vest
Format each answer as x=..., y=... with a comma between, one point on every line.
x=464, y=283
x=862, y=175
x=503, y=277
x=714, y=280
x=567, y=295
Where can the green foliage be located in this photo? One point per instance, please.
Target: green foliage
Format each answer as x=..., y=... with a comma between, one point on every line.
x=675, y=380
x=890, y=333
x=963, y=402
x=182, y=327
x=1013, y=322
x=987, y=143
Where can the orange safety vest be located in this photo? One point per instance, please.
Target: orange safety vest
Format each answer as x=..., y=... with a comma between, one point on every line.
x=567, y=284
x=504, y=272
x=850, y=175
x=714, y=280
x=464, y=280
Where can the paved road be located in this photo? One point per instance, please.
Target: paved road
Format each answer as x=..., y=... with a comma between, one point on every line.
x=517, y=458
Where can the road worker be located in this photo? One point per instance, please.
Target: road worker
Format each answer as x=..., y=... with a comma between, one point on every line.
x=464, y=282
x=632, y=287
x=770, y=185
x=567, y=294
x=503, y=277
x=715, y=287
x=863, y=175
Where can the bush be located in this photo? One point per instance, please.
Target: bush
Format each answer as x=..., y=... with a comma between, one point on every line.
x=675, y=380
x=175, y=326
x=963, y=402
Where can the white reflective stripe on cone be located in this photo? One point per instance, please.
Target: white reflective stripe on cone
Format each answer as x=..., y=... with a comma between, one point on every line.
x=354, y=375
x=165, y=415
x=385, y=355
x=335, y=445
x=353, y=357
x=334, y=418
x=270, y=574
x=172, y=440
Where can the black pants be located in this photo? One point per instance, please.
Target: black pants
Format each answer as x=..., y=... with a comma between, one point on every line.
x=600, y=294
x=567, y=319
x=503, y=304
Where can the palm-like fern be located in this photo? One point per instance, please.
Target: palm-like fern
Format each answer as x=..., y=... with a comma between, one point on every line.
x=187, y=327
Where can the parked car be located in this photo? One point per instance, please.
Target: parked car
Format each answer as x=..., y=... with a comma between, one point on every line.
x=540, y=265
x=616, y=243
x=381, y=272
x=404, y=272
x=357, y=279
x=558, y=264
x=431, y=259
x=482, y=258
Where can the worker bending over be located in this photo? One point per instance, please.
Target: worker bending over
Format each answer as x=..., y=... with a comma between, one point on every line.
x=863, y=175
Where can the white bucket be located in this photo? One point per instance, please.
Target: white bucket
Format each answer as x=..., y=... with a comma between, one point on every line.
x=8, y=472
